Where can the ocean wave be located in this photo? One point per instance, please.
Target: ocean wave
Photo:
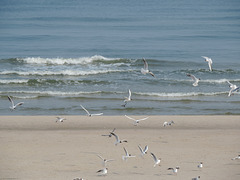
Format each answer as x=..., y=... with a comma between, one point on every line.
x=154, y=94
x=60, y=73
x=13, y=81
x=68, y=61
x=32, y=82
x=200, y=71
x=51, y=93
x=190, y=94
x=219, y=81
x=211, y=81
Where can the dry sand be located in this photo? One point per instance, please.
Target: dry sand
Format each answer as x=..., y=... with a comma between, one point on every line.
x=36, y=147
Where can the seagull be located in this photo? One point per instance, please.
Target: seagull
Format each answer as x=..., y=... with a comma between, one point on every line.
x=209, y=60
x=200, y=165
x=143, y=151
x=102, y=172
x=156, y=161
x=136, y=121
x=60, y=119
x=88, y=114
x=117, y=139
x=127, y=99
x=174, y=170
x=125, y=158
x=109, y=135
x=196, y=178
x=14, y=105
x=236, y=158
x=168, y=123
x=104, y=161
x=145, y=70
x=233, y=87
x=196, y=80
x=165, y=124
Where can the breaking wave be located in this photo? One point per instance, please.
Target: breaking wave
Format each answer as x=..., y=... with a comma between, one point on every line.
x=60, y=73
x=62, y=61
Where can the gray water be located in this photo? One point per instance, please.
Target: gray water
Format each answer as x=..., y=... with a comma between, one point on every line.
x=56, y=55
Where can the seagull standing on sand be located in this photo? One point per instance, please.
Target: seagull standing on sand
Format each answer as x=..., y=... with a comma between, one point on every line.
x=175, y=170
x=118, y=141
x=168, y=123
x=143, y=151
x=196, y=178
x=234, y=88
x=236, y=158
x=102, y=172
x=209, y=60
x=136, y=121
x=88, y=114
x=110, y=133
x=165, y=124
x=14, y=106
x=127, y=99
x=104, y=161
x=200, y=166
x=145, y=70
x=156, y=160
x=60, y=119
x=196, y=80
x=125, y=158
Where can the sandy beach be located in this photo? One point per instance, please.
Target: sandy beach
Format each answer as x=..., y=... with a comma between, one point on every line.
x=36, y=147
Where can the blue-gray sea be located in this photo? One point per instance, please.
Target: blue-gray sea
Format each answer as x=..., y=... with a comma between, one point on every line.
x=58, y=54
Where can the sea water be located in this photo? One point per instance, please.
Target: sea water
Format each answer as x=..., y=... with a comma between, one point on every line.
x=56, y=55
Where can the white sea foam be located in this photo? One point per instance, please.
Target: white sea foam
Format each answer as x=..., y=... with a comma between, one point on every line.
x=211, y=81
x=52, y=93
x=190, y=94
x=64, y=72
x=218, y=81
x=61, y=61
x=13, y=81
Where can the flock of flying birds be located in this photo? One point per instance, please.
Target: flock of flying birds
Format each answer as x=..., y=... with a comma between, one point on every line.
x=145, y=70
x=233, y=87
x=143, y=152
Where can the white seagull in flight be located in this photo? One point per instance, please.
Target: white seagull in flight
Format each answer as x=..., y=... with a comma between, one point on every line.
x=14, y=106
x=196, y=80
x=104, y=161
x=109, y=135
x=209, y=60
x=117, y=139
x=233, y=87
x=175, y=170
x=143, y=151
x=156, y=160
x=127, y=155
x=60, y=119
x=136, y=121
x=88, y=114
x=145, y=70
x=127, y=99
